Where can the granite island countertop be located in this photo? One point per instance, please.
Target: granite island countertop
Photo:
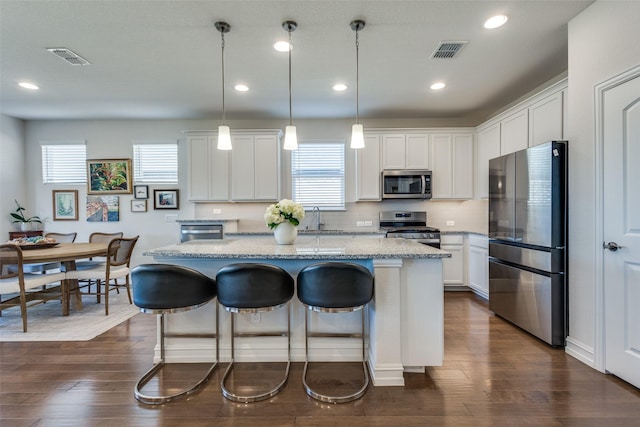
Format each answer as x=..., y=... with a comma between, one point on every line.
x=305, y=247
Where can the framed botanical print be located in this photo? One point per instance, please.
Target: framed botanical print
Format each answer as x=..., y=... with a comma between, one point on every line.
x=109, y=176
x=165, y=199
x=65, y=205
x=138, y=205
x=141, y=191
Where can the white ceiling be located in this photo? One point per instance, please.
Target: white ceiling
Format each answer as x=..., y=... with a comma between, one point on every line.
x=159, y=59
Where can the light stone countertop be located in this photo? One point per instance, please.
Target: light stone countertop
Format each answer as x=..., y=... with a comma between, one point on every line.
x=310, y=233
x=305, y=247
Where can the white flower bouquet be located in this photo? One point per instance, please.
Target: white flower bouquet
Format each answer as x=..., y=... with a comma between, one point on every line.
x=284, y=210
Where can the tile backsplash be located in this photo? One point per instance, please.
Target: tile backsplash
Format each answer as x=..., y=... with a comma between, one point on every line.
x=465, y=215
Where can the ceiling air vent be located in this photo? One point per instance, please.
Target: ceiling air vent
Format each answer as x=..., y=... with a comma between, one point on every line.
x=68, y=56
x=448, y=49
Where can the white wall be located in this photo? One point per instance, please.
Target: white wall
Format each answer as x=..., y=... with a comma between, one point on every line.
x=113, y=139
x=13, y=172
x=603, y=42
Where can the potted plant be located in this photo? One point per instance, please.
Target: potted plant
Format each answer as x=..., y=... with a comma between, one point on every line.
x=283, y=218
x=20, y=218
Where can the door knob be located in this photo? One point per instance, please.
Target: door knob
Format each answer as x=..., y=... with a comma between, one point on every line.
x=612, y=246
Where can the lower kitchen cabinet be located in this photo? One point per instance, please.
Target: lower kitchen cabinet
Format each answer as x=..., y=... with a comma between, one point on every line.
x=479, y=264
x=453, y=268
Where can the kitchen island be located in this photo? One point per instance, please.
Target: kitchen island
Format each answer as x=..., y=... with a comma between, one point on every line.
x=404, y=320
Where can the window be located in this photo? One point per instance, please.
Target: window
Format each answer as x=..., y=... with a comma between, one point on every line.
x=64, y=162
x=155, y=162
x=317, y=174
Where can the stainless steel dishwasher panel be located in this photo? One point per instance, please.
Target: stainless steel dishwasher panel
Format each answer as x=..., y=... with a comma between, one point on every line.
x=200, y=232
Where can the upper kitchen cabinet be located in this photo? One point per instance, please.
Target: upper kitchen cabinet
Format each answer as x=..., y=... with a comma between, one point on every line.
x=249, y=172
x=534, y=120
x=405, y=151
x=545, y=119
x=452, y=165
x=208, y=169
x=514, y=132
x=368, y=169
x=488, y=147
x=255, y=167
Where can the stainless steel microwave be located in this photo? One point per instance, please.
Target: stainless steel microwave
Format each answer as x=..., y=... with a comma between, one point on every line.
x=406, y=184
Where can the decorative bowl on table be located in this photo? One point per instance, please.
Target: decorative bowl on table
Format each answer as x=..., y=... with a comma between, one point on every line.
x=35, y=242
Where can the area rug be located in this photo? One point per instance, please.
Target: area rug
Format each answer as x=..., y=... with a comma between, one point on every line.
x=46, y=323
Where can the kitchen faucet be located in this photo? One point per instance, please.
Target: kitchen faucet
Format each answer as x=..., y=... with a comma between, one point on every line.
x=316, y=214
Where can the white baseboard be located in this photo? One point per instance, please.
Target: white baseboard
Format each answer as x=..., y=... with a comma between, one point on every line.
x=580, y=351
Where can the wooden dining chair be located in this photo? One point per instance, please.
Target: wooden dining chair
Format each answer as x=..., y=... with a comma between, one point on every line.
x=13, y=280
x=96, y=237
x=116, y=266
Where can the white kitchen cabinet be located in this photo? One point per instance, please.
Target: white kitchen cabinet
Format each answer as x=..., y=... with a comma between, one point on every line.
x=514, y=132
x=488, y=148
x=405, y=151
x=478, y=264
x=452, y=166
x=255, y=167
x=368, y=169
x=208, y=169
x=546, y=120
x=453, y=268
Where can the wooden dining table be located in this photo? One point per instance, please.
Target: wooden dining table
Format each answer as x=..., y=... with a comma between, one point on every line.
x=66, y=254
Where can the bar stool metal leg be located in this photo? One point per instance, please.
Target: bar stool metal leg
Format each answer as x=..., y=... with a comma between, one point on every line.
x=226, y=392
x=323, y=397
x=151, y=373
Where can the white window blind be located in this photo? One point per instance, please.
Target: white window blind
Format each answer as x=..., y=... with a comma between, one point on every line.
x=64, y=162
x=155, y=162
x=317, y=174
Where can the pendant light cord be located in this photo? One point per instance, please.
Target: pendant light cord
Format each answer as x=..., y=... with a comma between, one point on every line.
x=223, y=109
x=357, y=79
x=290, y=116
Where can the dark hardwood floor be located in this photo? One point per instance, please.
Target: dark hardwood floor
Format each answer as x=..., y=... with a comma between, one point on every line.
x=493, y=375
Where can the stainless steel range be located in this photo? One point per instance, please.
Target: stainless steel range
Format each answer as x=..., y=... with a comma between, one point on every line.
x=409, y=225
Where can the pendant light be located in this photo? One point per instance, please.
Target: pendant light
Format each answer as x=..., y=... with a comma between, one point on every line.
x=290, y=138
x=224, y=133
x=357, y=131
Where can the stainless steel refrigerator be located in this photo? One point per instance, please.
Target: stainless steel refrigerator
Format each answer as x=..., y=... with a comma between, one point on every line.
x=528, y=240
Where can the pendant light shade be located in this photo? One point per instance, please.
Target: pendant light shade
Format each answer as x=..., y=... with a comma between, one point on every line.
x=224, y=138
x=357, y=130
x=290, y=137
x=357, y=136
x=224, y=133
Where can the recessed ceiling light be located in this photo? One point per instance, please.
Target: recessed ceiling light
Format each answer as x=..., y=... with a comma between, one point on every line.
x=339, y=87
x=28, y=85
x=495, y=21
x=438, y=85
x=282, y=46
x=241, y=88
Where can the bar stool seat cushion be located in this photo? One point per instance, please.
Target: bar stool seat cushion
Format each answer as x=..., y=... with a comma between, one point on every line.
x=237, y=284
x=162, y=286
x=335, y=285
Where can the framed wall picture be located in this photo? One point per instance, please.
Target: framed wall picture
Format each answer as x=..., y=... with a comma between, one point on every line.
x=141, y=191
x=138, y=205
x=109, y=176
x=103, y=208
x=65, y=205
x=165, y=199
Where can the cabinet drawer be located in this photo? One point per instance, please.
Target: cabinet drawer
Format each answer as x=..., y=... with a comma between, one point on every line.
x=479, y=241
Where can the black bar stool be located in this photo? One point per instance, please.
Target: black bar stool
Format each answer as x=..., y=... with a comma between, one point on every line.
x=161, y=289
x=335, y=287
x=254, y=288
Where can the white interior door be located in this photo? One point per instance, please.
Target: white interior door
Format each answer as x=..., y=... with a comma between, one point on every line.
x=621, y=227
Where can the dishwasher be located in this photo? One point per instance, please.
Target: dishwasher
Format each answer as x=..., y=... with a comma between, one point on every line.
x=200, y=231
